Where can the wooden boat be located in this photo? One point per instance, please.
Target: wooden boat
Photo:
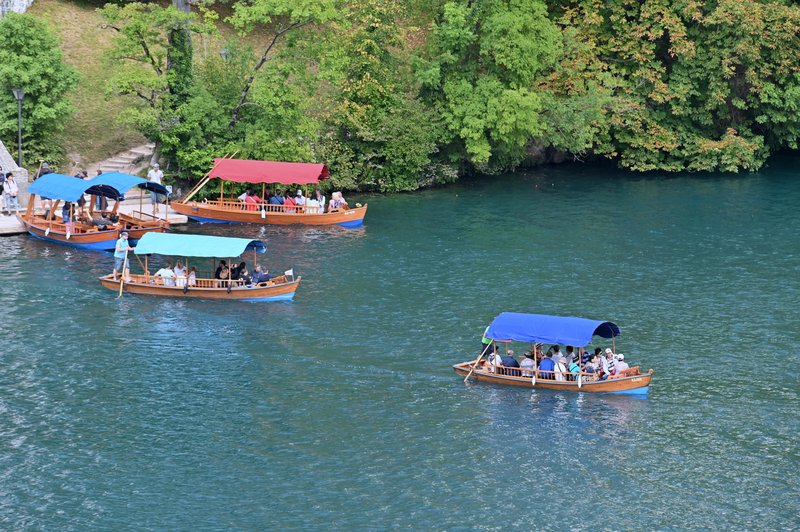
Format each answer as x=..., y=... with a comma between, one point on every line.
x=537, y=328
x=232, y=210
x=90, y=232
x=278, y=288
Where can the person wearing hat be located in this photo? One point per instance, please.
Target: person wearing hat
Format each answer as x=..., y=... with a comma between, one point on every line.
x=120, y=252
x=621, y=364
x=299, y=199
x=608, y=363
x=155, y=175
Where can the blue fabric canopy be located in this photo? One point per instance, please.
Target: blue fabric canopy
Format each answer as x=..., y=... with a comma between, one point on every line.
x=181, y=245
x=521, y=327
x=125, y=182
x=68, y=188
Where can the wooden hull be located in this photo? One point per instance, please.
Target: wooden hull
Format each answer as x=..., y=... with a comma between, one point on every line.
x=93, y=240
x=208, y=212
x=635, y=384
x=273, y=292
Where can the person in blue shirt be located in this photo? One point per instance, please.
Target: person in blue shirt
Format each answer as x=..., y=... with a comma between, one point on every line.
x=546, y=367
x=120, y=252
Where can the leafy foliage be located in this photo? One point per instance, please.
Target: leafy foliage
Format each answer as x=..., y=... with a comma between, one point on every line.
x=482, y=61
x=41, y=72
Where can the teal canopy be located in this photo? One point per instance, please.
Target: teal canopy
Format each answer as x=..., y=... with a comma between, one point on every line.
x=181, y=245
x=68, y=188
x=125, y=182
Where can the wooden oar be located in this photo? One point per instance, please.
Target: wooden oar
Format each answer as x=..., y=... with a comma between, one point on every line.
x=476, y=362
x=122, y=273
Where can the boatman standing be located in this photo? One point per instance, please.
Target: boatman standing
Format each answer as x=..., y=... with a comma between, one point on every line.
x=120, y=254
x=485, y=341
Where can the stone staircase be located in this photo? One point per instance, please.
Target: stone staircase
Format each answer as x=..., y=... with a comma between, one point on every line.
x=132, y=161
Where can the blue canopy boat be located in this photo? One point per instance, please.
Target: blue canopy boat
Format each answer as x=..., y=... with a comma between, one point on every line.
x=543, y=329
x=191, y=285
x=78, y=226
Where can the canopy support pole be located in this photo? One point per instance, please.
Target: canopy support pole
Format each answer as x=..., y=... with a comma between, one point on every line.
x=206, y=178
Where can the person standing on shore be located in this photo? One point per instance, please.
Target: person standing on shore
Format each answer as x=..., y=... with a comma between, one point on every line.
x=10, y=190
x=155, y=175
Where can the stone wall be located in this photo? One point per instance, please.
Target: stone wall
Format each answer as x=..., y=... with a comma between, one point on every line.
x=15, y=6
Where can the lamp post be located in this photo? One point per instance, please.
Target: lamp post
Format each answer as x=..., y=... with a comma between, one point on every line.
x=19, y=94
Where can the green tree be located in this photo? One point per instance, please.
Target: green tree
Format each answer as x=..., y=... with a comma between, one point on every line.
x=152, y=58
x=482, y=62
x=698, y=86
x=378, y=135
x=30, y=58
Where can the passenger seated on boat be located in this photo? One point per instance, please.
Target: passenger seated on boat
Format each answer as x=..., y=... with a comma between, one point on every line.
x=509, y=361
x=167, y=275
x=574, y=369
x=621, y=365
x=560, y=367
x=570, y=354
x=546, y=367
x=289, y=200
x=607, y=364
x=218, y=272
x=276, y=199
x=180, y=274
x=191, y=280
x=592, y=367
x=251, y=201
x=236, y=271
x=244, y=275
x=320, y=199
x=337, y=202
x=260, y=276
x=528, y=364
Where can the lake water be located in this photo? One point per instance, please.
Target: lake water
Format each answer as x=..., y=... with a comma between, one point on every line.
x=340, y=410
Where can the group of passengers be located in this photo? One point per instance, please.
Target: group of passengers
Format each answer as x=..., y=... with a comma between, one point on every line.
x=240, y=273
x=178, y=276
x=184, y=277
x=553, y=365
x=314, y=204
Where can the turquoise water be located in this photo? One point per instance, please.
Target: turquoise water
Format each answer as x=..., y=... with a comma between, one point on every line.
x=340, y=410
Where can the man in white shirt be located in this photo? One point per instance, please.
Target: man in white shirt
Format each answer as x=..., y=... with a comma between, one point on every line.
x=155, y=175
x=167, y=275
x=621, y=364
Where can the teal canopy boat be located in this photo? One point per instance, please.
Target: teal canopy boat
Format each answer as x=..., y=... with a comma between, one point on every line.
x=220, y=282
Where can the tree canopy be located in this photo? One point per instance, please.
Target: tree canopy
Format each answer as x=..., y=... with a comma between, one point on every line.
x=398, y=95
x=45, y=79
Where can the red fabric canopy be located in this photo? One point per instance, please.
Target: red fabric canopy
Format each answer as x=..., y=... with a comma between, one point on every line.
x=243, y=171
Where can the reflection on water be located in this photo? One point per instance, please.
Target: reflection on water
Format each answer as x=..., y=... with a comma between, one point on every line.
x=341, y=410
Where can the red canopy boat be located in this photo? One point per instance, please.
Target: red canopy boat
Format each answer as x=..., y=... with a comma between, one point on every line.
x=234, y=210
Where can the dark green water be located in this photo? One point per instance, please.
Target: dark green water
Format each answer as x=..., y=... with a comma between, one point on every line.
x=340, y=410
